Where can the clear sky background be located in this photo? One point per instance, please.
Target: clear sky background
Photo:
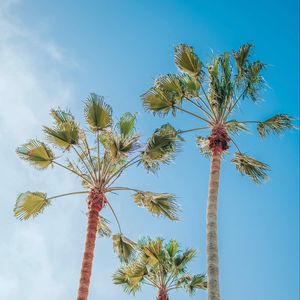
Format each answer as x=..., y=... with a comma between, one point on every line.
x=53, y=53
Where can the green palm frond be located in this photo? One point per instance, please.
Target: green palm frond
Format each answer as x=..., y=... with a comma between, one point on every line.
x=251, y=167
x=151, y=250
x=196, y=282
x=190, y=86
x=98, y=114
x=276, y=124
x=187, y=61
x=183, y=259
x=172, y=248
x=166, y=93
x=36, y=153
x=203, y=145
x=241, y=57
x=63, y=135
x=61, y=116
x=160, y=148
x=234, y=126
x=158, y=204
x=103, y=229
x=123, y=247
x=30, y=204
x=126, y=124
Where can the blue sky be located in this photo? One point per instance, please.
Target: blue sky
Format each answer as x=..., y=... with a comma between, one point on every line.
x=55, y=53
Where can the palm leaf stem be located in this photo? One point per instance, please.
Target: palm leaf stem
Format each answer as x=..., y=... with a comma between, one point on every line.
x=234, y=104
x=190, y=130
x=200, y=107
x=235, y=144
x=67, y=194
x=72, y=171
x=120, y=188
x=207, y=98
x=89, y=155
x=115, y=215
x=98, y=155
x=190, y=113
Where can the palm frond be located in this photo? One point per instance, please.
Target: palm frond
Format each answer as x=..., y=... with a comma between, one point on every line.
x=160, y=148
x=234, y=126
x=187, y=61
x=30, y=204
x=276, y=125
x=103, y=229
x=158, y=204
x=251, y=167
x=196, y=282
x=61, y=116
x=36, y=153
x=98, y=114
x=183, y=259
x=126, y=124
x=203, y=145
x=241, y=57
x=63, y=135
x=172, y=248
x=190, y=86
x=123, y=247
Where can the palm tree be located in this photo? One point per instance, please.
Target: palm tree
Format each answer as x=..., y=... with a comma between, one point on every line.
x=160, y=265
x=98, y=161
x=212, y=94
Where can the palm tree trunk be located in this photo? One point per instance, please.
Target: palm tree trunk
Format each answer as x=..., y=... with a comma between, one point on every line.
x=211, y=227
x=96, y=201
x=162, y=294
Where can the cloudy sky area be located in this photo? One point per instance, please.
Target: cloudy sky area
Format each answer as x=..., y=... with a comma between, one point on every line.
x=55, y=53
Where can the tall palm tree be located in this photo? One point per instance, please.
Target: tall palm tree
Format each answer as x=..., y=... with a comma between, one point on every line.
x=212, y=94
x=160, y=265
x=98, y=161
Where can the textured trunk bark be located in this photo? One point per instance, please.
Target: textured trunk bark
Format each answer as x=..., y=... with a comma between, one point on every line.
x=162, y=294
x=96, y=201
x=211, y=227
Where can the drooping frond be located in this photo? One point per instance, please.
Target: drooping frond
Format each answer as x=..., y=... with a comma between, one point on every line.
x=98, y=114
x=234, y=126
x=30, y=204
x=126, y=124
x=203, y=145
x=123, y=247
x=187, y=61
x=158, y=204
x=251, y=167
x=196, y=282
x=241, y=57
x=160, y=148
x=63, y=135
x=36, y=153
x=103, y=229
x=276, y=124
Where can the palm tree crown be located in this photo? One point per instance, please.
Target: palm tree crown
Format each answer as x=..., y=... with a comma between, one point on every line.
x=160, y=265
x=212, y=93
x=98, y=155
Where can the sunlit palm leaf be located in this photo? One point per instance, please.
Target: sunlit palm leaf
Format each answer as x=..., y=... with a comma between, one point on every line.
x=186, y=60
x=63, y=135
x=160, y=148
x=203, y=145
x=158, y=204
x=172, y=247
x=103, y=227
x=36, y=153
x=234, y=127
x=98, y=114
x=241, y=57
x=251, y=167
x=190, y=86
x=30, y=204
x=183, y=259
x=123, y=247
x=196, y=282
x=60, y=116
x=276, y=124
x=126, y=124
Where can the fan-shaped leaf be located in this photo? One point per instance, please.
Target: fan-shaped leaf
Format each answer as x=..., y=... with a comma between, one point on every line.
x=187, y=61
x=160, y=148
x=30, y=204
x=196, y=282
x=126, y=124
x=123, y=247
x=158, y=204
x=247, y=165
x=241, y=57
x=276, y=124
x=103, y=227
x=98, y=114
x=190, y=86
x=36, y=153
x=60, y=116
